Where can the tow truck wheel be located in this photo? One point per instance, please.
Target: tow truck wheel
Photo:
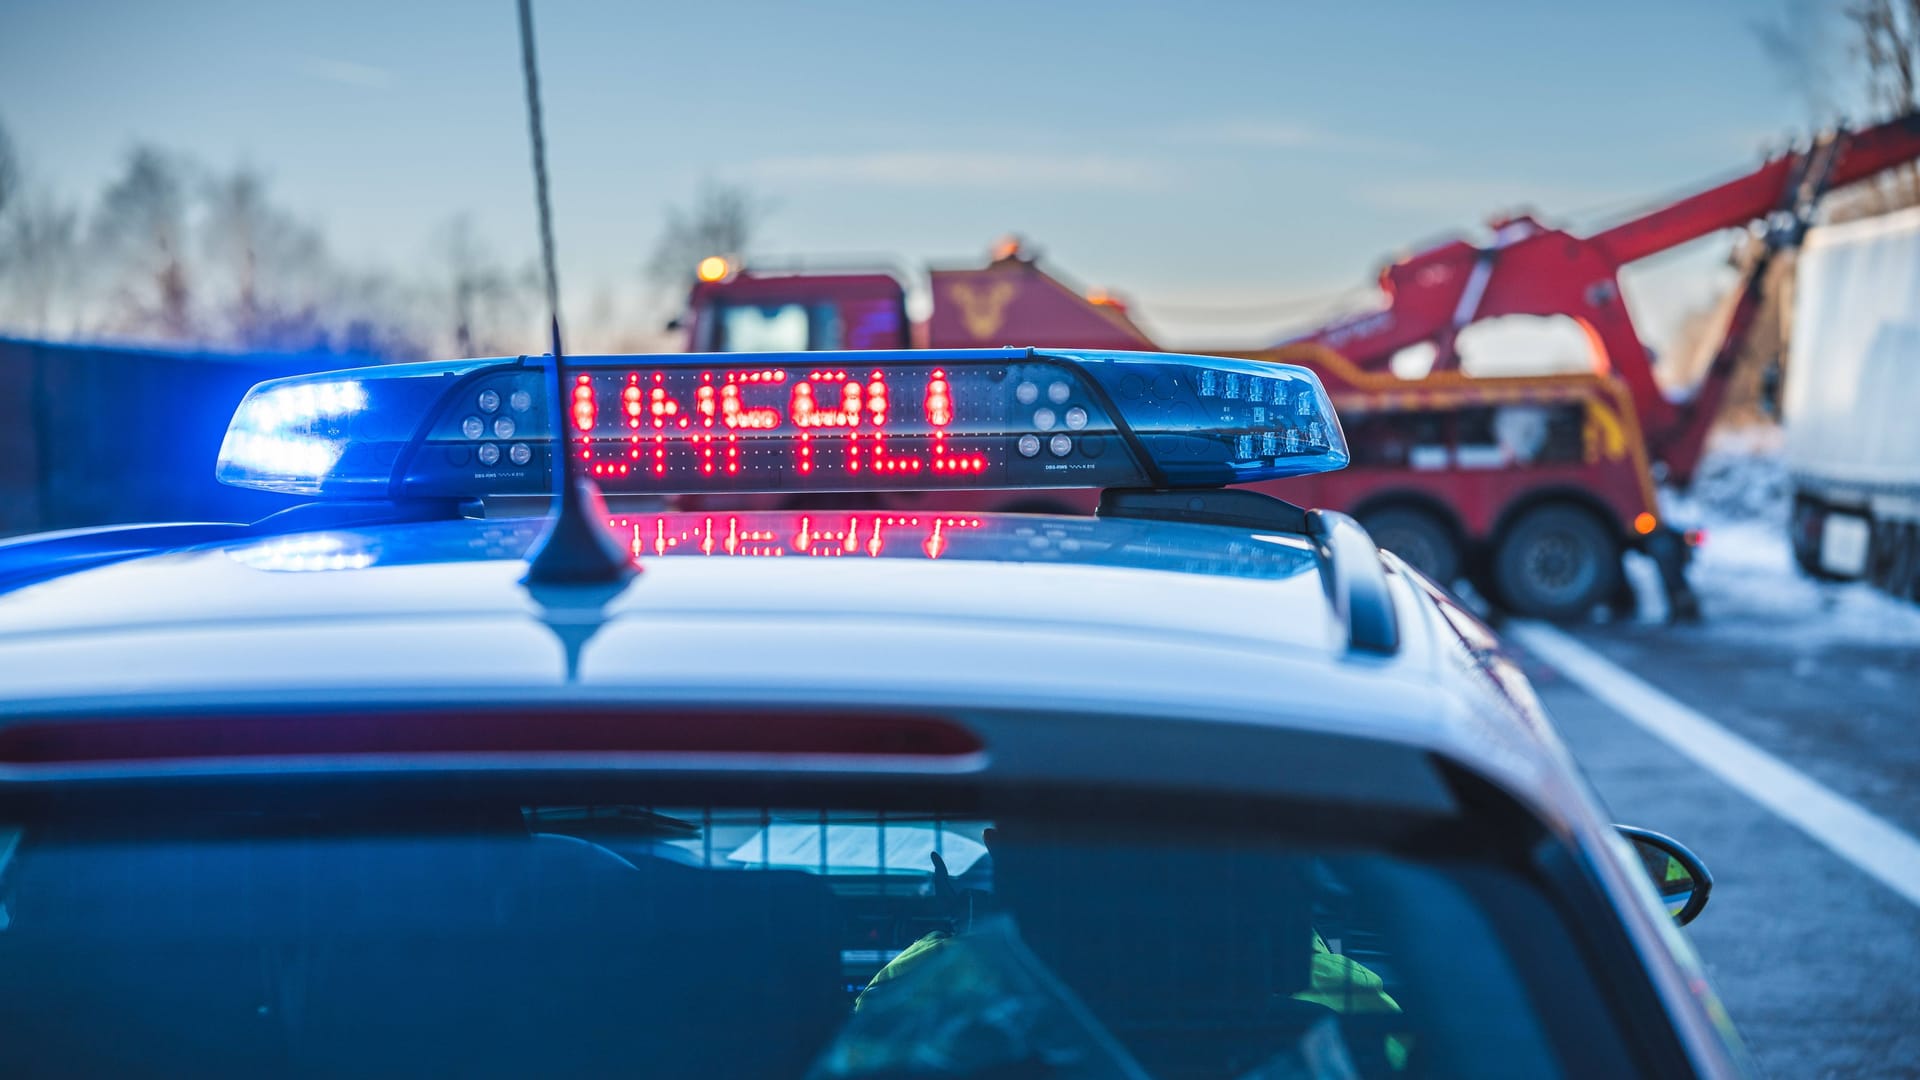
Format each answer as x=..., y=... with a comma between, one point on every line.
x=1417, y=536
x=1556, y=562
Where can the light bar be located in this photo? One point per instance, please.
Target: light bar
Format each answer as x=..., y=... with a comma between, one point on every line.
x=847, y=421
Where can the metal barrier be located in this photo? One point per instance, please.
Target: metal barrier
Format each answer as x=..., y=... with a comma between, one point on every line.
x=97, y=435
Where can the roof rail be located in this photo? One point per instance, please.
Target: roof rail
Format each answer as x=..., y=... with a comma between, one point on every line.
x=1350, y=566
x=1356, y=582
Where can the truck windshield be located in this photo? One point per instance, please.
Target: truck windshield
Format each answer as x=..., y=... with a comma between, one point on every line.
x=602, y=940
x=775, y=327
x=800, y=325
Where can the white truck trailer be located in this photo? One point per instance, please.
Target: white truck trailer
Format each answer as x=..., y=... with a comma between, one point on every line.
x=1852, y=402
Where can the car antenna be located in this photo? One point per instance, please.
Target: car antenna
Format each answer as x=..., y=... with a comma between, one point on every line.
x=577, y=548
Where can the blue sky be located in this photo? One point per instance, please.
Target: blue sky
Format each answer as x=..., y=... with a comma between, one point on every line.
x=1191, y=155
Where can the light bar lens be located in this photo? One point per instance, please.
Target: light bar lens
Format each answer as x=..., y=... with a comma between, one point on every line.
x=292, y=433
x=1209, y=421
x=792, y=422
x=335, y=434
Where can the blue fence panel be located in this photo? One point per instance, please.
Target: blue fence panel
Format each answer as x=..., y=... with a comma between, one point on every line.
x=99, y=435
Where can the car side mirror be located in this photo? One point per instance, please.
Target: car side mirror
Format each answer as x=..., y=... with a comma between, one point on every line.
x=1678, y=874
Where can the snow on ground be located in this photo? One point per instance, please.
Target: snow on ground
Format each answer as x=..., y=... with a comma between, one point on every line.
x=1745, y=574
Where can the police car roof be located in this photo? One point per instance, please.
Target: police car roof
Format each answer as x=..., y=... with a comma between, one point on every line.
x=1029, y=613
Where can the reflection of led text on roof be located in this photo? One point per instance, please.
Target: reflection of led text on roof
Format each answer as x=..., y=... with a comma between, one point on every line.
x=824, y=535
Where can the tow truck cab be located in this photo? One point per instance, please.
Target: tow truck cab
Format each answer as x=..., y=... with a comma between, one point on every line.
x=740, y=310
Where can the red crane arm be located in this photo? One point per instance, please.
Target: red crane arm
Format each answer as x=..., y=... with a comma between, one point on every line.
x=1729, y=206
x=1533, y=270
x=1758, y=193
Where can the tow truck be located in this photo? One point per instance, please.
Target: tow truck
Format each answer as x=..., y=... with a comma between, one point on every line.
x=1530, y=487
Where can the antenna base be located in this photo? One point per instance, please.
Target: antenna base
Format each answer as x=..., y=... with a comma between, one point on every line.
x=578, y=548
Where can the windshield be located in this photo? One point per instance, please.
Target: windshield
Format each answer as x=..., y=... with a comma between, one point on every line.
x=796, y=326
x=604, y=940
x=773, y=327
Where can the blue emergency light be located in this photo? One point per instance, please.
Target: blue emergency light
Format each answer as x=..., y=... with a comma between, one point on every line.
x=744, y=422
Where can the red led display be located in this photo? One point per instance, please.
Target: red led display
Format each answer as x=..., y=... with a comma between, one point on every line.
x=585, y=409
x=816, y=535
x=774, y=428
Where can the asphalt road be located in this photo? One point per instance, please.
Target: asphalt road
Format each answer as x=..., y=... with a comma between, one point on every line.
x=1817, y=961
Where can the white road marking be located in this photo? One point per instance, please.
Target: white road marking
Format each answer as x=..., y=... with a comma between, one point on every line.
x=1844, y=827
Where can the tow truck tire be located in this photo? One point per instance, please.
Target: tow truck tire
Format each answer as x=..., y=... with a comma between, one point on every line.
x=1556, y=562
x=1417, y=536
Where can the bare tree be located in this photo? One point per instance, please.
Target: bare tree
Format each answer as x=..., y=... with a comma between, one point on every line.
x=173, y=253
x=377, y=314
x=486, y=304
x=722, y=221
x=272, y=268
x=39, y=248
x=469, y=279
x=1887, y=40
x=141, y=233
x=1886, y=44
x=9, y=196
x=9, y=174
x=38, y=275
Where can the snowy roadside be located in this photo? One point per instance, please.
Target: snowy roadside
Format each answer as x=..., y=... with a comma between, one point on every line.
x=1745, y=575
